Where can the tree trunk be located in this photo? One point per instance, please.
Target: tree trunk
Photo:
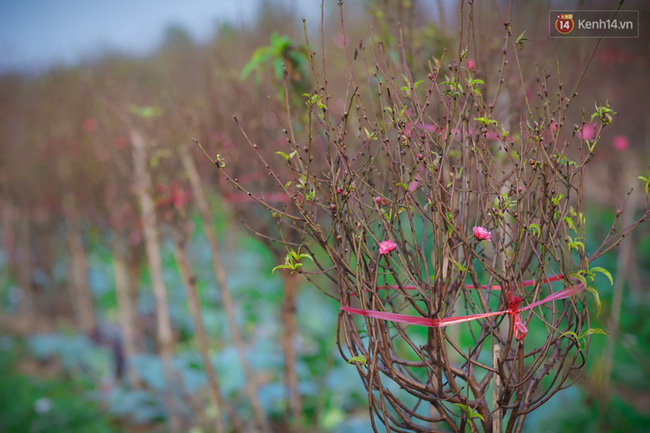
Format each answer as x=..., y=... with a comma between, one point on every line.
x=250, y=386
x=152, y=246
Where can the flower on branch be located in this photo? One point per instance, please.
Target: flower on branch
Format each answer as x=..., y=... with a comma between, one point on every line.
x=386, y=247
x=482, y=234
x=588, y=132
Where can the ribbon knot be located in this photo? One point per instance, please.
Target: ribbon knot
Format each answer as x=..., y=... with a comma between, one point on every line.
x=513, y=311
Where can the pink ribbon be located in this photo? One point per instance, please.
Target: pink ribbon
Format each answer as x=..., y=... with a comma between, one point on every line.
x=513, y=310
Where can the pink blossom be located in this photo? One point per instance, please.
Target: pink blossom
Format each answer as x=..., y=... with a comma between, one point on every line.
x=386, y=247
x=381, y=201
x=89, y=124
x=482, y=234
x=621, y=142
x=471, y=64
x=588, y=132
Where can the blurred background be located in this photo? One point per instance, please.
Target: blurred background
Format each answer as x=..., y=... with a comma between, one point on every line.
x=83, y=83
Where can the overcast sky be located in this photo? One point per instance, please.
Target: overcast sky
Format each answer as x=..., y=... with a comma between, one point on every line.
x=35, y=34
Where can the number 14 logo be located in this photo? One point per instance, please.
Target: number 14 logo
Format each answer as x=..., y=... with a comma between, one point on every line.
x=564, y=23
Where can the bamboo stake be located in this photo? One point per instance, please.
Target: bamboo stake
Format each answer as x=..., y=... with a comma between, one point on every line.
x=496, y=389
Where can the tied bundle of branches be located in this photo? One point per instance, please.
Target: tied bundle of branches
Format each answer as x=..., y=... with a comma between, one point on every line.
x=419, y=204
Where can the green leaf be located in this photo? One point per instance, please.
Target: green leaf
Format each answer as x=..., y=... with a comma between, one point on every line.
x=569, y=333
x=577, y=245
x=469, y=412
x=360, y=358
x=299, y=257
x=604, y=114
x=485, y=121
x=280, y=267
x=475, y=414
x=569, y=222
x=285, y=156
x=578, y=276
x=520, y=40
x=592, y=331
x=605, y=272
x=556, y=200
x=537, y=231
